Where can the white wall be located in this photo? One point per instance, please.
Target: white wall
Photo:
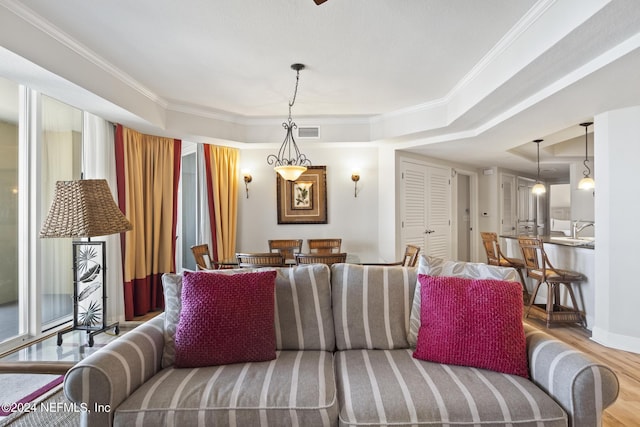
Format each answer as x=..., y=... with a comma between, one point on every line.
x=617, y=234
x=354, y=219
x=488, y=206
x=367, y=224
x=582, y=201
x=388, y=204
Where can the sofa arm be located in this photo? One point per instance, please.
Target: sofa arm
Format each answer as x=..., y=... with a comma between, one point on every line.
x=582, y=386
x=102, y=381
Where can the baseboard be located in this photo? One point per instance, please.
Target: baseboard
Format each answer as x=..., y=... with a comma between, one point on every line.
x=617, y=341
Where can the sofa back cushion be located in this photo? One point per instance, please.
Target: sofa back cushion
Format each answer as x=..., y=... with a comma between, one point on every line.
x=371, y=305
x=303, y=317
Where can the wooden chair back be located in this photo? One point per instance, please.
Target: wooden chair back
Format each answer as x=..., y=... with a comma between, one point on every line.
x=267, y=259
x=324, y=246
x=321, y=258
x=535, y=259
x=287, y=248
x=410, y=259
x=491, y=247
x=538, y=265
x=202, y=256
x=410, y=256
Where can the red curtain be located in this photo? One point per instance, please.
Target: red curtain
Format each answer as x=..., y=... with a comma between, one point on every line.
x=148, y=169
x=212, y=214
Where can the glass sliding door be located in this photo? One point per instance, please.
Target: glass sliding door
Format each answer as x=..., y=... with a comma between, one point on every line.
x=189, y=203
x=61, y=160
x=9, y=192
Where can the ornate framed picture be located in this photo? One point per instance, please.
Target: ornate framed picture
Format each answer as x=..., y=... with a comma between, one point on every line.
x=303, y=201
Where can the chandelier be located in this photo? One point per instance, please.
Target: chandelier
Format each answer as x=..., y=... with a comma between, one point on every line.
x=290, y=163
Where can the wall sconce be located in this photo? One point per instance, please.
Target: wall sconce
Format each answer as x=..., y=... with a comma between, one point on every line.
x=355, y=177
x=247, y=179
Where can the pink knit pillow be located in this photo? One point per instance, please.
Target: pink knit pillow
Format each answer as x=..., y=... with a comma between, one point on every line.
x=226, y=319
x=472, y=322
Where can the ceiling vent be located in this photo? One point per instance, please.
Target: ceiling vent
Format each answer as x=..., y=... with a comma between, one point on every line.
x=309, y=132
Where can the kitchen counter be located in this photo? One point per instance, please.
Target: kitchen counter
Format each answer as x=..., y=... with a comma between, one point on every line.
x=566, y=254
x=581, y=242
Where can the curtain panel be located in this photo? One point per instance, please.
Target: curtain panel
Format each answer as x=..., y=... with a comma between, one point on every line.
x=100, y=163
x=148, y=169
x=222, y=172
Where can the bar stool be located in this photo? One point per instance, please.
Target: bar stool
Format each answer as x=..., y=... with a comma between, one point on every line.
x=496, y=257
x=540, y=269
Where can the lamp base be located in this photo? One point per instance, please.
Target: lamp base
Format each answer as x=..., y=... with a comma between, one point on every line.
x=89, y=290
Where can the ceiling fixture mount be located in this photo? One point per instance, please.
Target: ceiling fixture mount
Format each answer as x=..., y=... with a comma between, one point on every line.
x=290, y=163
x=319, y=2
x=586, y=183
x=539, y=187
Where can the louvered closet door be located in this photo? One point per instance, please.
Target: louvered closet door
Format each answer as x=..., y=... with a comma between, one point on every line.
x=426, y=208
x=508, y=220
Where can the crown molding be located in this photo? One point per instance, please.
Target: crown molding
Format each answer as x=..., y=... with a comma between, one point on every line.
x=29, y=16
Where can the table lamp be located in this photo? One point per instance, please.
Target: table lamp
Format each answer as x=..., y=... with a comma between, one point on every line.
x=84, y=209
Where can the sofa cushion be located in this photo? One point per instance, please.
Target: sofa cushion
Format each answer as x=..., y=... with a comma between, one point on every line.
x=172, y=288
x=226, y=319
x=440, y=267
x=390, y=387
x=304, y=319
x=303, y=314
x=371, y=305
x=472, y=322
x=296, y=388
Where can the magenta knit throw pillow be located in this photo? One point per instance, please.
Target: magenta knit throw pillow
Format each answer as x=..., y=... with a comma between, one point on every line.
x=226, y=319
x=472, y=322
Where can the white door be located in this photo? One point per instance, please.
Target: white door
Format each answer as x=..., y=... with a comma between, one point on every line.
x=509, y=216
x=426, y=208
x=526, y=206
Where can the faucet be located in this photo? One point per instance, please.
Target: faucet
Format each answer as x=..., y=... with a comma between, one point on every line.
x=575, y=229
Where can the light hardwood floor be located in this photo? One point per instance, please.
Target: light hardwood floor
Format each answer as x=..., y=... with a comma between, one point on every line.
x=625, y=412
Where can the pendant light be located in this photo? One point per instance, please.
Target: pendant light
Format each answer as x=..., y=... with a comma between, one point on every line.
x=290, y=163
x=586, y=183
x=539, y=187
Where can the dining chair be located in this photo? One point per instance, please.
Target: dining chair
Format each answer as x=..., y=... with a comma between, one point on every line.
x=496, y=257
x=542, y=271
x=286, y=247
x=410, y=258
x=202, y=256
x=328, y=259
x=259, y=259
x=324, y=246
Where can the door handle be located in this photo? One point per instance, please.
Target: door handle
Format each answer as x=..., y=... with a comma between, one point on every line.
x=427, y=231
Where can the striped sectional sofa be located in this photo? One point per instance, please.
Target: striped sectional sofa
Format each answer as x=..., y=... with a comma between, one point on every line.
x=344, y=357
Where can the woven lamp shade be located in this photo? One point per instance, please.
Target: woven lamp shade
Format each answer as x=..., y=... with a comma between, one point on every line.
x=83, y=208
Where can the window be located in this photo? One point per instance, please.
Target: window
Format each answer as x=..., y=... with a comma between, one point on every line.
x=9, y=193
x=34, y=130
x=61, y=160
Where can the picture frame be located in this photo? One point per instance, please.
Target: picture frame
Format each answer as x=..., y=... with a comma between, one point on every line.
x=303, y=201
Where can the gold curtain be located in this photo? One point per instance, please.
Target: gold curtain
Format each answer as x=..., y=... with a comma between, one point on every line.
x=151, y=168
x=222, y=167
